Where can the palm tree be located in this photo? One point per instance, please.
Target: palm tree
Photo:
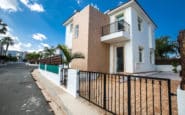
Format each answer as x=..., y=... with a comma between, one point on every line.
x=32, y=57
x=3, y=30
x=3, y=27
x=1, y=47
x=164, y=47
x=7, y=41
x=49, y=52
x=68, y=56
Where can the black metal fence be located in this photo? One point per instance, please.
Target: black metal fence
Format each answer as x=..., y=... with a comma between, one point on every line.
x=126, y=94
x=115, y=27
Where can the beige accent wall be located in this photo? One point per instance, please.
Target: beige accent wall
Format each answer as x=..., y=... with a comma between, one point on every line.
x=98, y=56
x=89, y=43
x=80, y=44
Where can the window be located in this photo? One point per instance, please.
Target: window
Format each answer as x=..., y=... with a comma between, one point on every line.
x=71, y=28
x=139, y=21
x=141, y=54
x=76, y=31
x=151, y=56
x=119, y=19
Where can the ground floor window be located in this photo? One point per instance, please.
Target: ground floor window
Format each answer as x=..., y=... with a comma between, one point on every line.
x=151, y=56
x=141, y=54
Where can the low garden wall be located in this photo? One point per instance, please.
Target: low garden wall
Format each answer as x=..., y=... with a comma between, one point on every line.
x=54, y=73
x=167, y=68
x=51, y=72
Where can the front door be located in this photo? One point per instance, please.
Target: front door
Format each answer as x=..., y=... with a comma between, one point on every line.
x=120, y=64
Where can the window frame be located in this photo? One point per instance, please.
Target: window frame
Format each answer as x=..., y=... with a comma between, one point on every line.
x=139, y=23
x=71, y=28
x=141, y=54
x=76, y=32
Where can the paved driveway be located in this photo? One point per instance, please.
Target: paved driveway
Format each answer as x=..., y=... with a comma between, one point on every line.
x=19, y=94
x=164, y=74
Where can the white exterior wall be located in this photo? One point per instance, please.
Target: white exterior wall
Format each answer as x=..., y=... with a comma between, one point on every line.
x=141, y=38
x=128, y=47
x=68, y=37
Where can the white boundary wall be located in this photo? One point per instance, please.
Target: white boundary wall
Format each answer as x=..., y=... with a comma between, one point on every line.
x=51, y=76
x=166, y=68
x=72, y=79
x=181, y=101
x=73, y=82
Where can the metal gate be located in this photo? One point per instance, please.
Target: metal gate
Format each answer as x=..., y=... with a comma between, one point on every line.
x=126, y=94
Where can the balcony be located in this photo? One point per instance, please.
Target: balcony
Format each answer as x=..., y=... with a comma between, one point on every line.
x=116, y=32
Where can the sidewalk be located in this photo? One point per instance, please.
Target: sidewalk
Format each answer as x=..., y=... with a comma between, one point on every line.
x=63, y=103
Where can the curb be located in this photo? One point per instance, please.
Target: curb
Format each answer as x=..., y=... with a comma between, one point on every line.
x=54, y=106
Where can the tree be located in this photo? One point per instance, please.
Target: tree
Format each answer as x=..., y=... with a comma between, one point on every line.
x=32, y=56
x=7, y=41
x=164, y=47
x=68, y=56
x=49, y=52
x=1, y=47
x=3, y=27
x=3, y=30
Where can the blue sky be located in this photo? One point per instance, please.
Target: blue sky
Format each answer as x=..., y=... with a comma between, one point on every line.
x=38, y=23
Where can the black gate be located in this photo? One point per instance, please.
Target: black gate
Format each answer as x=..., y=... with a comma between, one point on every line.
x=126, y=94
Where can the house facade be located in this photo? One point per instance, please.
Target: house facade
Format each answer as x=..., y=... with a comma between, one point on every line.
x=120, y=40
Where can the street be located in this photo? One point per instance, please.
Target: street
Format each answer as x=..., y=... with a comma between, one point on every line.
x=19, y=95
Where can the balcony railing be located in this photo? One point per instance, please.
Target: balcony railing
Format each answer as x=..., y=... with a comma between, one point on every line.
x=115, y=27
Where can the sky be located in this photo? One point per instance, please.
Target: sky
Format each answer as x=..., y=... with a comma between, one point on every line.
x=35, y=24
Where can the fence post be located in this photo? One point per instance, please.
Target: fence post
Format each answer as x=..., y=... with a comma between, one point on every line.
x=169, y=98
x=89, y=86
x=104, y=96
x=129, y=94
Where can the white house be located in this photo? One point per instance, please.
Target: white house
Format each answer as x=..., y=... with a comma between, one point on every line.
x=120, y=40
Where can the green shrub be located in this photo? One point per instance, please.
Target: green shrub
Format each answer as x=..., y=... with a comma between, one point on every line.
x=174, y=64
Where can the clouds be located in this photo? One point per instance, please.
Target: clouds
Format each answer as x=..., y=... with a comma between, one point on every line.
x=78, y=1
x=39, y=36
x=44, y=45
x=28, y=45
x=9, y=5
x=33, y=6
x=95, y=6
x=13, y=5
x=120, y=3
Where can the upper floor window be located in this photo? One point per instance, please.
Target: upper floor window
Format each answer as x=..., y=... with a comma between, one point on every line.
x=141, y=54
x=76, y=31
x=120, y=22
x=139, y=23
x=71, y=28
x=119, y=17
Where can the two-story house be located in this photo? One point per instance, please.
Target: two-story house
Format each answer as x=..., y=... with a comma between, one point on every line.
x=120, y=40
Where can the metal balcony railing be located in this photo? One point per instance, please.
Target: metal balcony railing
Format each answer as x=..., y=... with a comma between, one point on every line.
x=115, y=27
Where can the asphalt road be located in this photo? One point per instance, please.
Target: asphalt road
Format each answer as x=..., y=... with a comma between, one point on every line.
x=19, y=95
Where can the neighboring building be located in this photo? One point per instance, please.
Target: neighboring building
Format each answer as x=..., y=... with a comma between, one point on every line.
x=19, y=54
x=120, y=40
